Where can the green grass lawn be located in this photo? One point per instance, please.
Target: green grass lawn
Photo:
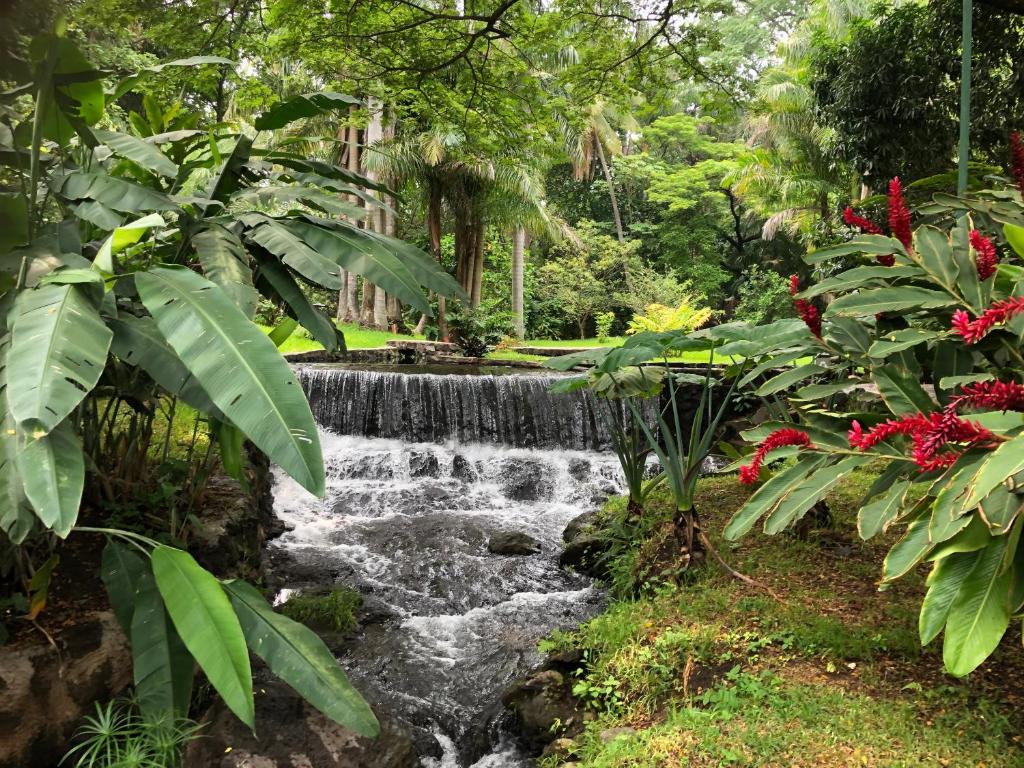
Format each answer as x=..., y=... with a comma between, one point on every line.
x=356, y=337
x=827, y=673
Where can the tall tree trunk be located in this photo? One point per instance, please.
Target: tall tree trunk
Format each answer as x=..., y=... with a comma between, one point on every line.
x=351, y=279
x=478, y=262
x=343, y=304
x=373, y=315
x=434, y=232
x=518, y=251
x=611, y=188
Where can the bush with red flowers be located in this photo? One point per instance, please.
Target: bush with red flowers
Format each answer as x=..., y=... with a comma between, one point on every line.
x=913, y=362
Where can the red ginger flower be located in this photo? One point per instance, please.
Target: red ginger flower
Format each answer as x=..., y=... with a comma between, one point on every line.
x=777, y=439
x=986, y=258
x=930, y=435
x=1017, y=159
x=807, y=311
x=996, y=395
x=868, y=227
x=974, y=331
x=899, y=215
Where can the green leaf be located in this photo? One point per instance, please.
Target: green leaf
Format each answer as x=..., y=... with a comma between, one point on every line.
x=788, y=378
x=948, y=511
x=238, y=366
x=161, y=664
x=953, y=362
x=122, y=238
x=298, y=107
x=226, y=263
x=138, y=151
x=875, y=516
x=355, y=252
x=115, y=193
x=230, y=439
x=206, y=623
x=300, y=658
x=908, y=551
x=1015, y=238
x=967, y=270
x=1004, y=462
x=849, y=334
x=279, y=335
x=980, y=612
x=901, y=391
x=875, y=300
x=872, y=245
x=53, y=473
x=97, y=214
x=897, y=341
x=1000, y=509
x=121, y=569
x=856, y=278
x=944, y=583
x=768, y=495
x=314, y=321
x=230, y=175
x=283, y=243
x=936, y=255
x=138, y=341
x=746, y=341
x=796, y=501
x=58, y=350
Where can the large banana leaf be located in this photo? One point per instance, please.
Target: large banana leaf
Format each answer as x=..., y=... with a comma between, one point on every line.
x=137, y=341
x=123, y=237
x=286, y=244
x=226, y=263
x=119, y=194
x=58, y=349
x=53, y=473
x=238, y=366
x=206, y=623
x=322, y=329
x=300, y=658
x=121, y=569
x=230, y=176
x=298, y=107
x=138, y=151
x=16, y=516
x=161, y=664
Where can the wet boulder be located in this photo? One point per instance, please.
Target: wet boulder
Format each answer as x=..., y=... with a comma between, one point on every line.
x=525, y=480
x=512, y=543
x=463, y=469
x=584, y=553
x=543, y=708
x=292, y=733
x=423, y=464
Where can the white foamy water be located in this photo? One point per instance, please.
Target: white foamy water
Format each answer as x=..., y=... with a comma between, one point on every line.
x=408, y=525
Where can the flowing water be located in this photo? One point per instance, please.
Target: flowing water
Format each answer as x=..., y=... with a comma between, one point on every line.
x=407, y=522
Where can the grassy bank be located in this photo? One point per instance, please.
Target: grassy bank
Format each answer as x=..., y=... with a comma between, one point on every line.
x=828, y=672
x=356, y=337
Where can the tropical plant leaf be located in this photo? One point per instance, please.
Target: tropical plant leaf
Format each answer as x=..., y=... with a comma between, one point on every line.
x=936, y=256
x=121, y=569
x=872, y=301
x=231, y=174
x=788, y=378
x=897, y=341
x=857, y=278
x=122, y=238
x=944, y=583
x=206, y=623
x=908, y=551
x=238, y=366
x=226, y=263
x=161, y=664
x=301, y=659
x=901, y=391
x=796, y=501
x=980, y=612
x=1005, y=461
x=314, y=321
x=281, y=241
x=143, y=153
x=768, y=495
x=875, y=516
x=298, y=107
x=139, y=342
x=58, y=350
x=876, y=245
x=117, y=194
x=53, y=473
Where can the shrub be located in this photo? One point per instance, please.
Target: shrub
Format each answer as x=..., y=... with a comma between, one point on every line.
x=659, y=318
x=763, y=296
x=334, y=609
x=603, y=324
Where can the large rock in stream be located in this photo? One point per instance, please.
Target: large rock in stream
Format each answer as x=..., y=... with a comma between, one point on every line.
x=292, y=734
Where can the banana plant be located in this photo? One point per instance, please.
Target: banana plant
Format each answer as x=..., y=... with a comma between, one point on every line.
x=132, y=258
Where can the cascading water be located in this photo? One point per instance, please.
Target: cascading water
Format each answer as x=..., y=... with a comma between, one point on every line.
x=431, y=405
x=407, y=523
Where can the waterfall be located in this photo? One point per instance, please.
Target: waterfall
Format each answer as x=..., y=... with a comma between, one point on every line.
x=407, y=403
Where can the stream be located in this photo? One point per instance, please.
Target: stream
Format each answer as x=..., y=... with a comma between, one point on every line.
x=407, y=523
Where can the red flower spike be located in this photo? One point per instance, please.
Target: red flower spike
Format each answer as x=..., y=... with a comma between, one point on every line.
x=931, y=435
x=998, y=313
x=777, y=439
x=866, y=226
x=994, y=395
x=986, y=257
x=899, y=215
x=1017, y=159
x=805, y=309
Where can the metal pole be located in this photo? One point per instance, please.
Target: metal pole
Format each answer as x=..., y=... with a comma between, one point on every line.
x=965, y=98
